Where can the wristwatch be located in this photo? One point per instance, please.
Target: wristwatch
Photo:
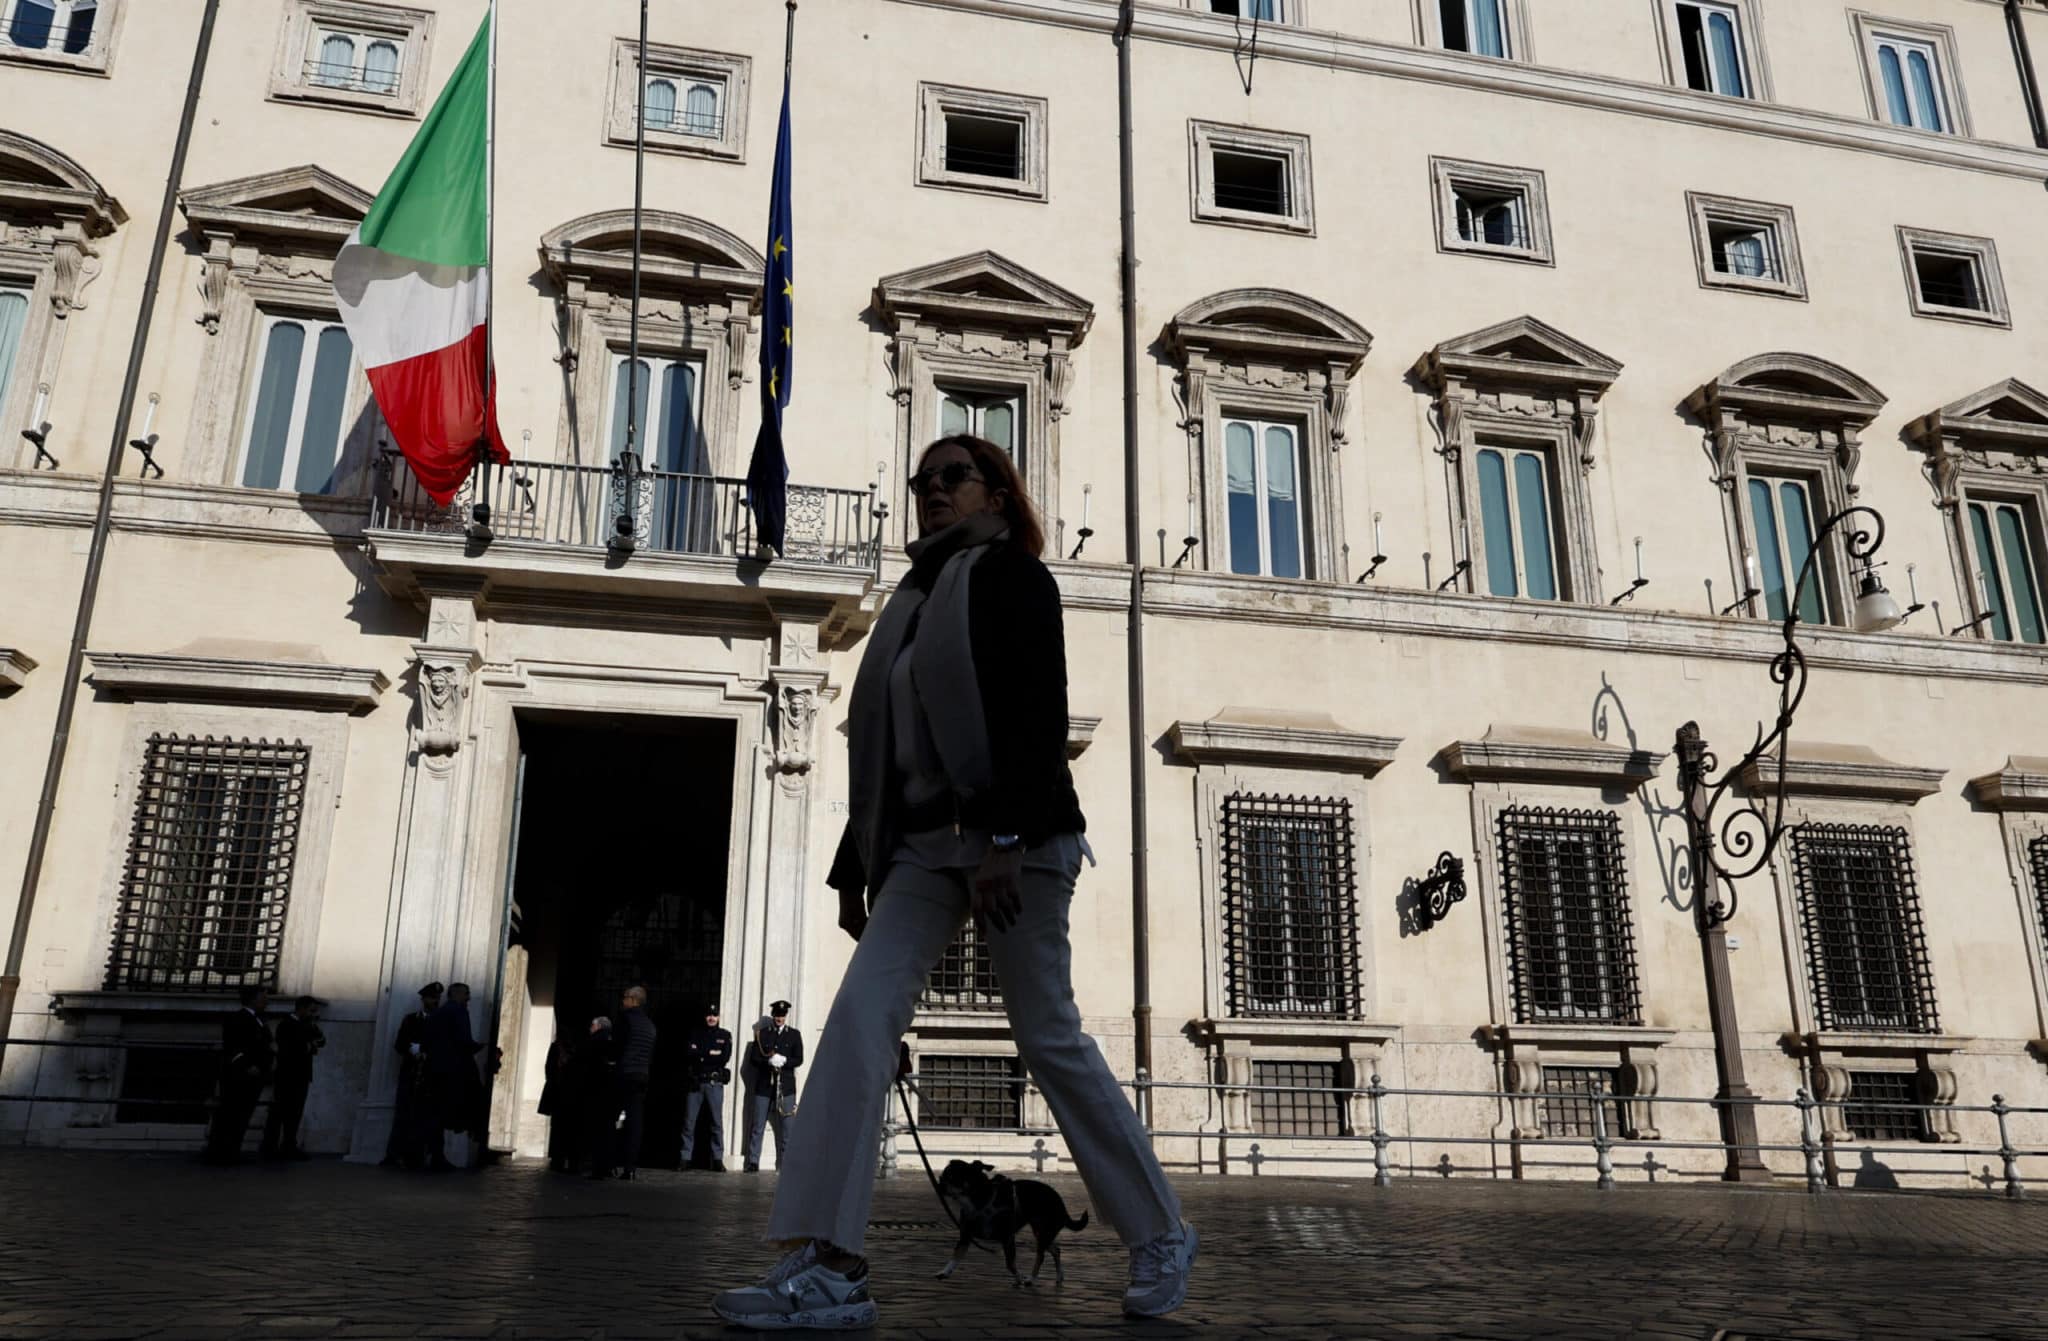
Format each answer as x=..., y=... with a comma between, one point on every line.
x=1006, y=843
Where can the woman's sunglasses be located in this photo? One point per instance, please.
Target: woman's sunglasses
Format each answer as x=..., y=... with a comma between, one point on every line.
x=948, y=477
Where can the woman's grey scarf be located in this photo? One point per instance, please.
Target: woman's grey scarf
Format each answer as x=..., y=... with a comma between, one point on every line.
x=942, y=665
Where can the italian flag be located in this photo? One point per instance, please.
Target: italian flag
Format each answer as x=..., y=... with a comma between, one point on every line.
x=413, y=284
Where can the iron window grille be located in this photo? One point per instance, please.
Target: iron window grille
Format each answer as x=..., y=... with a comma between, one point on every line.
x=970, y=1093
x=965, y=976
x=1307, y=1106
x=1290, y=907
x=1866, y=951
x=1881, y=1107
x=1564, y=889
x=1569, y=1100
x=209, y=868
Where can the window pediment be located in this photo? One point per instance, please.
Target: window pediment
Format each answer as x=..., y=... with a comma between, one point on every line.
x=1818, y=768
x=1271, y=325
x=1274, y=739
x=305, y=205
x=2007, y=416
x=1508, y=753
x=2021, y=785
x=1525, y=352
x=1785, y=387
x=983, y=289
x=42, y=185
x=678, y=252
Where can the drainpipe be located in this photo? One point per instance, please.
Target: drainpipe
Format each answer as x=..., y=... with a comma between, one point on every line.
x=2030, y=84
x=102, y=525
x=1141, y=953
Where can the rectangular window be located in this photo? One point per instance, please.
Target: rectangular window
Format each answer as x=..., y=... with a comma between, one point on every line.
x=1866, y=952
x=1256, y=183
x=1781, y=519
x=1262, y=492
x=970, y=1093
x=13, y=322
x=1564, y=890
x=1745, y=250
x=367, y=62
x=1304, y=1102
x=1954, y=277
x=995, y=415
x=679, y=499
x=1710, y=40
x=1477, y=26
x=1492, y=217
x=2004, y=543
x=1290, y=907
x=681, y=104
x=2037, y=864
x=1491, y=209
x=1882, y=1106
x=1514, y=512
x=49, y=25
x=1572, y=1094
x=210, y=855
x=293, y=437
x=965, y=976
x=1948, y=279
x=1910, y=86
x=1746, y=244
x=984, y=146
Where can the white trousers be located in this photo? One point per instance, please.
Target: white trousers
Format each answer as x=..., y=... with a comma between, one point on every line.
x=828, y=1180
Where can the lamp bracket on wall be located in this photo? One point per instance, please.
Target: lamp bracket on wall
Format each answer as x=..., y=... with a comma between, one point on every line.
x=1437, y=891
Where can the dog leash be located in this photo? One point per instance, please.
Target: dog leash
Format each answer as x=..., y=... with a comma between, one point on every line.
x=903, y=1093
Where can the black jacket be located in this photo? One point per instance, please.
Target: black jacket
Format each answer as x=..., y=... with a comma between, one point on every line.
x=1017, y=633
x=787, y=1041
x=708, y=1054
x=246, y=1051
x=633, y=1042
x=450, y=1046
x=297, y=1041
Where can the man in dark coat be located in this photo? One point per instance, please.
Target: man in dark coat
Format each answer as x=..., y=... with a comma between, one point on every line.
x=769, y=1070
x=577, y=1091
x=454, y=1089
x=707, y=1060
x=633, y=1036
x=246, y=1061
x=299, y=1040
x=408, y=1144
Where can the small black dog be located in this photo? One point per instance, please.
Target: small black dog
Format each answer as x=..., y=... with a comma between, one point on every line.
x=997, y=1208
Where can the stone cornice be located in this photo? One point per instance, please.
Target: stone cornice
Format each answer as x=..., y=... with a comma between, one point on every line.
x=1325, y=50
x=183, y=508
x=1850, y=1041
x=15, y=665
x=1280, y=740
x=1294, y=1033
x=1080, y=734
x=2021, y=785
x=1565, y=1036
x=1541, y=754
x=80, y=196
x=212, y=679
x=1819, y=769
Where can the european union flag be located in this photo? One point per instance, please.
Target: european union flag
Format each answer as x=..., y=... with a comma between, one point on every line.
x=768, y=472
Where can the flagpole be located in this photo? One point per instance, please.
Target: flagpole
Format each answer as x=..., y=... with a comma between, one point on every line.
x=480, y=511
x=639, y=192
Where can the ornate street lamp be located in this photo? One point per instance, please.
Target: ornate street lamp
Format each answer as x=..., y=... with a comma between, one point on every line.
x=1731, y=846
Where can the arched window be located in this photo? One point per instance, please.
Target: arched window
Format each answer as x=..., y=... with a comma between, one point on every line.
x=337, y=61
x=661, y=104
x=380, y=67
x=700, y=111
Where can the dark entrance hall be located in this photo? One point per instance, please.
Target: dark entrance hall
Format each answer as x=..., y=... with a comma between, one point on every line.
x=621, y=878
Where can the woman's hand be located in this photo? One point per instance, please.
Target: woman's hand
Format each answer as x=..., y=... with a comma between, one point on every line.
x=993, y=897
x=853, y=912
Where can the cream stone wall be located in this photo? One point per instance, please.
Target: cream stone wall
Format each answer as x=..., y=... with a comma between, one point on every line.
x=199, y=567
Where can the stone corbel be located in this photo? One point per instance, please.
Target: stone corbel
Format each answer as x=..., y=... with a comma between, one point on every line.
x=213, y=280
x=1235, y=1066
x=1722, y=445
x=1831, y=1090
x=1849, y=455
x=1337, y=396
x=1945, y=460
x=74, y=264
x=1936, y=1084
x=736, y=326
x=1450, y=410
x=1059, y=381
x=443, y=690
x=1638, y=1077
x=569, y=311
x=1525, y=1084
x=1585, y=416
x=1194, y=402
x=902, y=365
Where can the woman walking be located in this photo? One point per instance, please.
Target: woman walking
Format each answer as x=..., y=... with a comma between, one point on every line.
x=961, y=805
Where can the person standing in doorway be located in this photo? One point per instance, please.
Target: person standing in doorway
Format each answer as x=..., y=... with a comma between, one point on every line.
x=247, y=1057
x=299, y=1040
x=633, y=1036
x=454, y=1089
x=411, y=1113
x=769, y=1070
x=708, y=1060
x=962, y=806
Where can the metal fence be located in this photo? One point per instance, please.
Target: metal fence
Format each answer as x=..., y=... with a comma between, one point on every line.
x=627, y=510
x=1602, y=1149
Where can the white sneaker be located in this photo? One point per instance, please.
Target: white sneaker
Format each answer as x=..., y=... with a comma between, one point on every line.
x=800, y=1293
x=1159, y=1273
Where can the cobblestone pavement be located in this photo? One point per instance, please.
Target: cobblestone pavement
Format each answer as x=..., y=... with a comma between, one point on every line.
x=102, y=1246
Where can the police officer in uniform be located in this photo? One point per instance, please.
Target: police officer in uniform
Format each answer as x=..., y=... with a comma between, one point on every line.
x=708, y=1060
x=247, y=1057
x=410, y=1116
x=769, y=1070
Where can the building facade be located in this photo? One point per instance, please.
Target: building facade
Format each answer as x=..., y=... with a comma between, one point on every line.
x=1497, y=364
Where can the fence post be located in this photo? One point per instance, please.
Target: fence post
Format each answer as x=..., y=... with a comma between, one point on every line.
x=1603, y=1158
x=1382, y=1171
x=1809, y=1147
x=888, y=1169
x=2013, y=1188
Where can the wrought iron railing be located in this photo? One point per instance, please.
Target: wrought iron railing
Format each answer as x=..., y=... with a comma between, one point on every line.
x=629, y=511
